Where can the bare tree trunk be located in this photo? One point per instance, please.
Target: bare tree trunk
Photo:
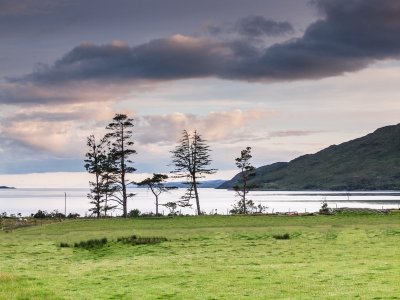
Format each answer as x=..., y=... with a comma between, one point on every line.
x=124, y=196
x=197, y=196
x=244, y=194
x=156, y=205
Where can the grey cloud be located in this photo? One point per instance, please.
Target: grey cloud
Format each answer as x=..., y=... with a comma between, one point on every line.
x=258, y=26
x=28, y=93
x=352, y=35
x=44, y=117
x=176, y=57
x=252, y=26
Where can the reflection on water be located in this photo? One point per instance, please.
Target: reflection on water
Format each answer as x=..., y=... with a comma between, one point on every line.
x=27, y=201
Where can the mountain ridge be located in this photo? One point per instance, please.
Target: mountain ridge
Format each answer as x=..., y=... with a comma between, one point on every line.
x=371, y=162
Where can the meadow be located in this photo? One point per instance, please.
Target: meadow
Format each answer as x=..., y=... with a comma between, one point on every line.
x=349, y=256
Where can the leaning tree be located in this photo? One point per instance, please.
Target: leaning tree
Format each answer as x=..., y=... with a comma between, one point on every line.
x=191, y=159
x=120, y=138
x=156, y=185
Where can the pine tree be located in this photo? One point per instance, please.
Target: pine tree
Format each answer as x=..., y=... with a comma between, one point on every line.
x=119, y=162
x=94, y=159
x=109, y=178
x=191, y=159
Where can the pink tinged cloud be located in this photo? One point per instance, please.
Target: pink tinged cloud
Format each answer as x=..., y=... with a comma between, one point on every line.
x=215, y=126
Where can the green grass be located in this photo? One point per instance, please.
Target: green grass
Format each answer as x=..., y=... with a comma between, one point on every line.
x=210, y=257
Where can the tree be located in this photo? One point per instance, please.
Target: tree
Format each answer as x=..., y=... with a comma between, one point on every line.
x=243, y=187
x=109, y=177
x=325, y=210
x=156, y=185
x=171, y=207
x=94, y=165
x=191, y=159
x=120, y=137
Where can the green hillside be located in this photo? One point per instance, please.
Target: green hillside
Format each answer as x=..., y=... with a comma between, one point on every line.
x=371, y=162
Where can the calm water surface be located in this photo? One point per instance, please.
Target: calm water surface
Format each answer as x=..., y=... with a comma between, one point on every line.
x=27, y=201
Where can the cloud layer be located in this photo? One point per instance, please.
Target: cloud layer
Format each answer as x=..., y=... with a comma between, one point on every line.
x=350, y=36
x=220, y=126
x=258, y=26
x=252, y=27
x=49, y=112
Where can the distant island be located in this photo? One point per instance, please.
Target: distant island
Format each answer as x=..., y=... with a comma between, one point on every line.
x=6, y=187
x=369, y=163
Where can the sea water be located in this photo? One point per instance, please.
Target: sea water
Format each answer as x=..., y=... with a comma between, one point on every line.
x=28, y=201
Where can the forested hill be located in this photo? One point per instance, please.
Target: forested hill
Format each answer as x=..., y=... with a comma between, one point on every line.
x=371, y=162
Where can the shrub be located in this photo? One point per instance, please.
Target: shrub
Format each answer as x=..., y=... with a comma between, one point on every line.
x=40, y=214
x=325, y=210
x=64, y=245
x=73, y=216
x=56, y=214
x=285, y=236
x=134, y=213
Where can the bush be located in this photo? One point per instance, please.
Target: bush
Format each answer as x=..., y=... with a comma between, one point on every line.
x=285, y=236
x=73, y=216
x=134, y=213
x=325, y=210
x=41, y=214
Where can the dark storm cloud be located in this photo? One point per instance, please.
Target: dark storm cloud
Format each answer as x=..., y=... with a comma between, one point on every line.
x=257, y=26
x=251, y=27
x=177, y=57
x=350, y=36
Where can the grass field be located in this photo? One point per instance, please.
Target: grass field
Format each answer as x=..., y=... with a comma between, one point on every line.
x=208, y=257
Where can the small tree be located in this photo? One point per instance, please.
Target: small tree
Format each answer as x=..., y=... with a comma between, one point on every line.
x=120, y=137
x=243, y=187
x=171, y=207
x=156, y=185
x=325, y=210
x=191, y=159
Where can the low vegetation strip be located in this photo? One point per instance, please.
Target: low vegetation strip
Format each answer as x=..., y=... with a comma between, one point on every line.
x=207, y=257
x=136, y=240
x=99, y=243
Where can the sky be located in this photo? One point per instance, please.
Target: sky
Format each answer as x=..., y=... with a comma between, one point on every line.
x=286, y=78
